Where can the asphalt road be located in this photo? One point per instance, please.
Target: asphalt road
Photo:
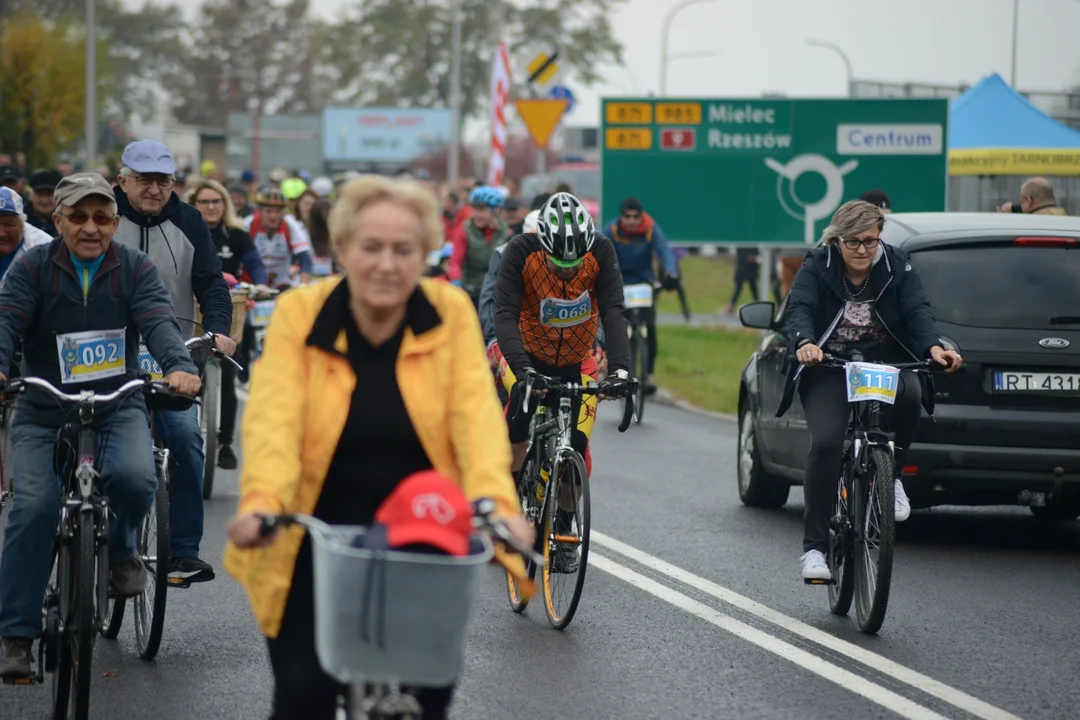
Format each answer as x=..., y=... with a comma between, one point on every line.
x=693, y=609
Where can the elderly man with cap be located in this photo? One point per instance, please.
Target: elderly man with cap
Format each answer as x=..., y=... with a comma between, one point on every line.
x=175, y=236
x=77, y=289
x=16, y=236
x=43, y=204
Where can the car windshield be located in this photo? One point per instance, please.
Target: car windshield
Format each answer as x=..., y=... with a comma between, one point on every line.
x=1001, y=286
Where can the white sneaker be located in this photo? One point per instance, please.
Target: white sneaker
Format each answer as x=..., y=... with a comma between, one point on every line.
x=813, y=566
x=902, y=506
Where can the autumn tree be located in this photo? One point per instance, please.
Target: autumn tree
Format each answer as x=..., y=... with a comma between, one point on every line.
x=42, y=95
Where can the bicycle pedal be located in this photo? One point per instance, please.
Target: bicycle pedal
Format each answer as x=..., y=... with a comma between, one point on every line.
x=179, y=583
x=21, y=680
x=817, y=581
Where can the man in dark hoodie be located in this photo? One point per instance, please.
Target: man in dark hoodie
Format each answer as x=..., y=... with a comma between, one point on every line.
x=174, y=235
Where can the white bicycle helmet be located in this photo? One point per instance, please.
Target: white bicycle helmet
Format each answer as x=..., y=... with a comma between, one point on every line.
x=566, y=230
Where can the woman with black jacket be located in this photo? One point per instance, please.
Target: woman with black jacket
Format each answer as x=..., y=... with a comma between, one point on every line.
x=854, y=294
x=238, y=256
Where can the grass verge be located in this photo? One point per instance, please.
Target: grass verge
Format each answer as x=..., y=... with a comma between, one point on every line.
x=709, y=282
x=703, y=365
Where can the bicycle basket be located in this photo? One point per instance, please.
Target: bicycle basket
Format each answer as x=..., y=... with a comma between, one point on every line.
x=386, y=616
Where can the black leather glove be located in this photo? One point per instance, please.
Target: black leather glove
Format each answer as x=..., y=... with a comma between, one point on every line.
x=670, y=282
x=614, y=386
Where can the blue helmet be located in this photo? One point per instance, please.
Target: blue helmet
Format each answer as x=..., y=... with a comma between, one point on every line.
x=486, y=195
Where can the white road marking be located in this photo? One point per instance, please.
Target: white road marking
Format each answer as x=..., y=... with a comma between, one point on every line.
x=906, y=675
x=808, y=661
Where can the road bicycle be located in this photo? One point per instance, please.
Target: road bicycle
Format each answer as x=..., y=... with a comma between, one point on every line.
x=554, y=490
x=379, y=627
x=639, y=300
x=862, y=531
x=76, y=602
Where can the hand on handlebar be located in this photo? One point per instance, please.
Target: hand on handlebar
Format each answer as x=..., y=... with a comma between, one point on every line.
x=536, y=381
x=225, y=344
x=184, y=383
x=949, y=359
x=809, y=354
x=246, y=531
x=614, y=387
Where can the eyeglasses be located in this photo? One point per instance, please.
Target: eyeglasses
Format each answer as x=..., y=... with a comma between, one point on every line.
x=165, y=183
x=210, y=202
x=854, y=243
x=78, y=217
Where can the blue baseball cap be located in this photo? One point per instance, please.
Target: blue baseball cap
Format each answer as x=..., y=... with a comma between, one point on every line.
x=247, y=176
x=10, y=203
x=149, y=157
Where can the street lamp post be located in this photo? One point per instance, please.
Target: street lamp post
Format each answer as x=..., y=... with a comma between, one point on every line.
x=843, y=56
x=665, y=32
x=91, y=87
x=455, y=96
x=1015, y=27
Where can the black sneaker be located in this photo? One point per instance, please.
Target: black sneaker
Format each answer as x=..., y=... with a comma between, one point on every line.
x=183, y=571
x=226, y=458
x=565, y=560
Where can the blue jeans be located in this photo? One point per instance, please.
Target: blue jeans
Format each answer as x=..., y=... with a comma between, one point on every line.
x=125, y=458
x=180, y=433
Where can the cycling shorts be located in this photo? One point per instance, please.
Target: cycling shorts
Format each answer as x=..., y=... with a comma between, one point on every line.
x=583, y=408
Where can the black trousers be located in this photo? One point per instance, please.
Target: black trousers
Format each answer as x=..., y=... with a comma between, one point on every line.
x=824, y=399
x=227, y=422
x=739, y=282
x=302, y=691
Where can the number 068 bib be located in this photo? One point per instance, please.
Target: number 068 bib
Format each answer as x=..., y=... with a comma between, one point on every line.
x=91, y=355
x=566, y=313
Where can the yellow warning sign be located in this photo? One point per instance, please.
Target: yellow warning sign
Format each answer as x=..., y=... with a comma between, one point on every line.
x=541, y=116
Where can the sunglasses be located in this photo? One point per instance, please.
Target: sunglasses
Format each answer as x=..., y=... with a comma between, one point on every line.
x=78, y=217
x=853, y=244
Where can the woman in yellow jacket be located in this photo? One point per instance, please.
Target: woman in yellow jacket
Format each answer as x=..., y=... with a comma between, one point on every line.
x=362, y=382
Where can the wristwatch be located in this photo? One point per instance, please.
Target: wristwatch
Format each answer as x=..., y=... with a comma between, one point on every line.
x=621, y=374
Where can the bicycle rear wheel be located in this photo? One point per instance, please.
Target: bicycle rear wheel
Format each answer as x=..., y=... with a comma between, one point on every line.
x=208, y=424
x=114, y=617
x=525, y=478
x=840, y=561
x=639, y=363
x=565, y=538
x=152, y=546
x=82, y=616
x=875, y=528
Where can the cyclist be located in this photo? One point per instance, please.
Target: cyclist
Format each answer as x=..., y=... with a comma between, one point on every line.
x=637, y=238
x=154, y=219
x=85, y=292
x=855, y=294
x=555, y=287
x=16, y=234
x=279, y=237
x=477, y=239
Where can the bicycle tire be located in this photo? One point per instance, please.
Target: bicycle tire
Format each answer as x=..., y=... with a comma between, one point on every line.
x=573, y=464
x=208, y=425
x=842, y=589
x=82, y=615
x=153, y=537
x=61, y=679
x=114, y=614
x=872, y=602
x=518, y=602
x=640, y=363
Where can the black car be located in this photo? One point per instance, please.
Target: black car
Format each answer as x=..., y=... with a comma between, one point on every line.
x=1005, y=290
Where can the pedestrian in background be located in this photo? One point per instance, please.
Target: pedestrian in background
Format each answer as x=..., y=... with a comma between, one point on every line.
x=747, y=264
x=1036, y=198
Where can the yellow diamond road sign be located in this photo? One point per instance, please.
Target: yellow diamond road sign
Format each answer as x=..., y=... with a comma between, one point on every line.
x=541, y=116
x=542, y=69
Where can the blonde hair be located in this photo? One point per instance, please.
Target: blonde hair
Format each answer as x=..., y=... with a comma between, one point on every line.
x=229, y=219
x=853, y=217
x=366, y=190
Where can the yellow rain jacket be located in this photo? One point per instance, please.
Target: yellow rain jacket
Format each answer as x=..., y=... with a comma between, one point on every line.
x=300, y=397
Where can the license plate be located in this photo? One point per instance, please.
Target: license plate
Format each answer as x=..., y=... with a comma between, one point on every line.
x=1015, y=381
x=867, y=381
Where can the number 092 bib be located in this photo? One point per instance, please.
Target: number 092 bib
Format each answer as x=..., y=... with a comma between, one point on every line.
x=91, y=355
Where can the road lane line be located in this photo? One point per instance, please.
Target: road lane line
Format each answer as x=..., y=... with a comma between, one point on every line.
x=917, y=680
x=846, y=679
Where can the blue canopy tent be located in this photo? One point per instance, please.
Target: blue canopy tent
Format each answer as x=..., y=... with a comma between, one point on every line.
x=993, y=130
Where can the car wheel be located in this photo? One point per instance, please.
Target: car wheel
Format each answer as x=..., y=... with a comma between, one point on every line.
x=757, y=488
x=1062, y=510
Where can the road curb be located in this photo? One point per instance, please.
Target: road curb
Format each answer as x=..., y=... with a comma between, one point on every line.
x=664, y=396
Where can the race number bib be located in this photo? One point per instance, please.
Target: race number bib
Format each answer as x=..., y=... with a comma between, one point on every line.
x=260, y=314
x=637, y=296
x=149, y=365
x=867, y=381
x=91, y=355
x=566, y=313
x=322, y=267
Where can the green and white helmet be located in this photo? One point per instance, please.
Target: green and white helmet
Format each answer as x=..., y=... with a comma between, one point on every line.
x=565, y=229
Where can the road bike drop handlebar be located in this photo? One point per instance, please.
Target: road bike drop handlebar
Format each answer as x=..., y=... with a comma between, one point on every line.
x=88, y=397
x=578, y=389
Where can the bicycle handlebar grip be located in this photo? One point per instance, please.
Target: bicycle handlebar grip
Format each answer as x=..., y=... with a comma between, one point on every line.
x=628, y=408
x=269, y=524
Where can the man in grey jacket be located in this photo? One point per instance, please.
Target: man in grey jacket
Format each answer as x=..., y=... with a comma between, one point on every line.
x=174, y=235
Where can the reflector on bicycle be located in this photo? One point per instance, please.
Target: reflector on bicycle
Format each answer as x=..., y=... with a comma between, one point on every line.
x=868, y=381
x=260, y=314
x=637, y=296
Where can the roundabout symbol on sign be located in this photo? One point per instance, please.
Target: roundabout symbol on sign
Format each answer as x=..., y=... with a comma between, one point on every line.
x=810, y=213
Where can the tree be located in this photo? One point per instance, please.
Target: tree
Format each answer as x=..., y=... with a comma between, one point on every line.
x=397, y=52
x=42, y=67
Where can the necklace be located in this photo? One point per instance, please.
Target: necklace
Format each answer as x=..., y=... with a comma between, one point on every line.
x=861, y=288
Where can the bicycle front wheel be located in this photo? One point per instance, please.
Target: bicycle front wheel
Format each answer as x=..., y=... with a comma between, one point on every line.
x=208, y=424
x=82, y=617
x=875, y=529
x=565, y=537
x=842, y=589
x=152, y=545
x=639, y=363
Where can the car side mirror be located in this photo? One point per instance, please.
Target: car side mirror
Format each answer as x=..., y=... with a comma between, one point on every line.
x=757, y=315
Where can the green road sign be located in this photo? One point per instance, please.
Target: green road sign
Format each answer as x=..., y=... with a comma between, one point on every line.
x=756, y=171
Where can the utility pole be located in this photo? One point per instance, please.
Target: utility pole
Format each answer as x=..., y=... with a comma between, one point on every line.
x=91, y=88
x=454, y=159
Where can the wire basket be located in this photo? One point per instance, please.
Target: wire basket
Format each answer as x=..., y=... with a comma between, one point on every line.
x=387, y=616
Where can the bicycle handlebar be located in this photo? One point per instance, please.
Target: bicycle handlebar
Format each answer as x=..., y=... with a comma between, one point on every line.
x=89, y=397
x=927, y=366
x=206, y=340
x=572, y=389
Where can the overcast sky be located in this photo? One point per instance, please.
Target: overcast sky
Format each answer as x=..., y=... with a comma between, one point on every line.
x=760, y=46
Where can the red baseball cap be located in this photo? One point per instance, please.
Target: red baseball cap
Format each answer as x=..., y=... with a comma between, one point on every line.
x=427, y=508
